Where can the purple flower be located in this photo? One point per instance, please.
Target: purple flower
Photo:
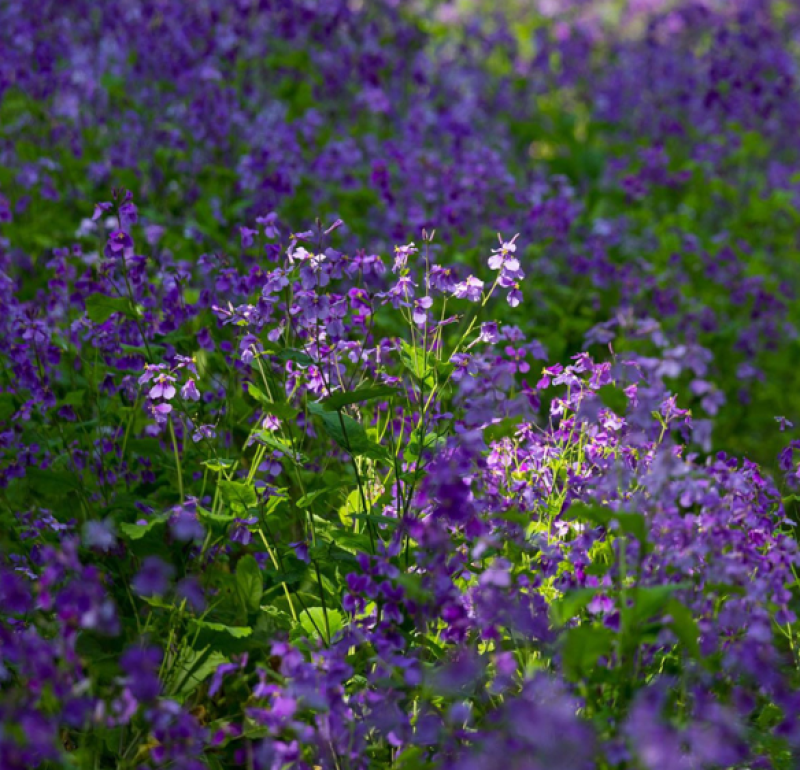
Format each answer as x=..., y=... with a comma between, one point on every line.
x=514, y=297
x=471, y=289
x=185, y=526
x=190, y=589
x=247, y=236
x=268, y=222
x=100, y=209
x=128, y=213
x=163, y=387
x=14, y=594
x=421, y=307
x=153, y=577
x=160, y=412
x=189, y=391
x=141, y=667
x=401, y=255
x=119, y=242
x=99, y=534
x=204, y=431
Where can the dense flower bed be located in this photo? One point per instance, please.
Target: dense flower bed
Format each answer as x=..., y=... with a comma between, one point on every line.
x=393, y=490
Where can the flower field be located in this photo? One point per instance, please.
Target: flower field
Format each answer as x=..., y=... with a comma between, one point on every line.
x=399, y=384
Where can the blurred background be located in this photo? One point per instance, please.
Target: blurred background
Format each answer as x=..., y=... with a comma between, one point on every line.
x=645, y=151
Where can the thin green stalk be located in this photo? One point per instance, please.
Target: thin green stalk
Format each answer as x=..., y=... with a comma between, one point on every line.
x=177, y=460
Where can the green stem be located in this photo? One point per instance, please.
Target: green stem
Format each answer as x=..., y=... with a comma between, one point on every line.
x=177, y=459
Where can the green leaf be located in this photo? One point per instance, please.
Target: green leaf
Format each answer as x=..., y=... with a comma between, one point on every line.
x=51, y=481
x=684, y=626
x=298, y=356
x=282, y=410
x=417, y=362
x=272, y=621
x=614, y=398
x=651, y=600
x=583, y=646
x=351, y=541
x=194, y=667
x=570, y=604
x=100, y=308
x=249, y=582
x=7, y=406
x=138, y=531
x=347, y=433
x=237, y=632
x=338, y=400
x=214, y=518
x=317, y=615
x=218, y=464
x=238, y=495
x=74, y=398
x=629, y=523
x=266, y=437
x=306, y=500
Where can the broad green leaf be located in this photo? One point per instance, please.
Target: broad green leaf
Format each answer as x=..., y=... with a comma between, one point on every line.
x=338, y=400
x=684, y=626
x=238, y=632
x=416, y=361
x=138, y=531
x=570, y=604
x=74, y=398
x=195, y=667
x=651, y=600
x=214, y=518
x=298, y=356
x=7, y=405
x=629, y=523
x=100, y=307
x=218, y=464
x=238, y=495
x=317, y=615
x=282, y=410
x=306, y=500
x=582, y=648
x=249, y=582
x=614, y=398
x=347, y=433
x=266, y=437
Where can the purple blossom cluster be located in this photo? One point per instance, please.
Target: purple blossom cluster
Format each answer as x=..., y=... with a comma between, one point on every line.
x=368, y=494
